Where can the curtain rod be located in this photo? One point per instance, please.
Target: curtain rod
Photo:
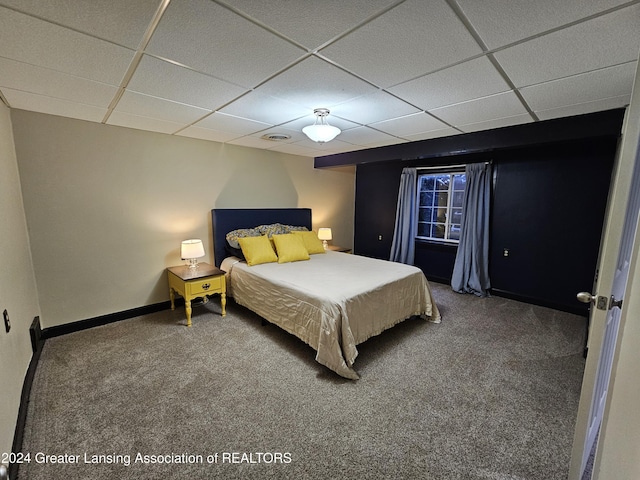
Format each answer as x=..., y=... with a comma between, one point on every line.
x=448, y=167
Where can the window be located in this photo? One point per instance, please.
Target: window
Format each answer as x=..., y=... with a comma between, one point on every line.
x=440, y=198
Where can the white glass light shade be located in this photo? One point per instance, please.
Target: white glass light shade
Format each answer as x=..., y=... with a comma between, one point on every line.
x=191, y=250
x=324, y=233
x=321, y=131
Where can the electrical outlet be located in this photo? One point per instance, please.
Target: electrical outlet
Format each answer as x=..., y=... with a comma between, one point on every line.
x=7, y=322
x=379, y=237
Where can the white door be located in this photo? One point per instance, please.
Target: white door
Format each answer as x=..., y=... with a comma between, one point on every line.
x=615, y=257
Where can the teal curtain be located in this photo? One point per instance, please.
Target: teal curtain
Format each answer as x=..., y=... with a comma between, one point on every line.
x=471, y=267
x=404, y=234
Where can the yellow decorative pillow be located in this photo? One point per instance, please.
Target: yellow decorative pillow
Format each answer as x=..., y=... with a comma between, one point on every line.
x=257, y=250
x=290, y=248
x=311, y=242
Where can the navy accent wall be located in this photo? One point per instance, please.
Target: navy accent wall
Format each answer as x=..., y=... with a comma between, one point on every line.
x=548, y=210
x=375, y=208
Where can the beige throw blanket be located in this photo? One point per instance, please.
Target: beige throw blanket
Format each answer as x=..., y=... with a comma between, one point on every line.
x=334, y=301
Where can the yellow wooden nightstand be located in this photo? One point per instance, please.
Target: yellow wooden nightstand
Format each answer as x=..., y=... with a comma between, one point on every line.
x=192, y=283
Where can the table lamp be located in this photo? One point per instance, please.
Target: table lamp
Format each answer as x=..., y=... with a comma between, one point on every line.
x=324, y=234
x=192, y=250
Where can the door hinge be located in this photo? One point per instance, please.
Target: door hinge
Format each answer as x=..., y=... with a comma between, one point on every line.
x=615, y=303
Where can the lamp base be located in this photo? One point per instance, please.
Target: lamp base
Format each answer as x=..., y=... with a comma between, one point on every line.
x=193, y=263
x=325, y=244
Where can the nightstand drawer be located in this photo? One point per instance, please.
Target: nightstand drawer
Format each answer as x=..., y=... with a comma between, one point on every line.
x=204, y=286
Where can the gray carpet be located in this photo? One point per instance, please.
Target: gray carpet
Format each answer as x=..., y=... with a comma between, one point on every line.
x=490, y=393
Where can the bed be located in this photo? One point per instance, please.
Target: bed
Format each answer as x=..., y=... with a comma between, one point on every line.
x=332, y=301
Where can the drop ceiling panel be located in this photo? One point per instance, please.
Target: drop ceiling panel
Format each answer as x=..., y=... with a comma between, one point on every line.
x=445, y=132
x=221, y=70
x=172, y=82
x=295, y=149
x=496, y=123
x=412, y=39
x=253, y=142
x=130, y=120
x=577, y=49
x=472, y=79
x=121, y=21
x=582, y=108
x=53, y=106
x=587, y=87
x=312, y=84
x=373, y=108
x=310, y=23
x=230, y=124
x=37, y=42
x=500, y=23
x=367, y=136
x=263, y=108
x=210, y=38
x=207, y=134
x=44, y=81
x=483, y=109
x=410, y=125
x=158, y=108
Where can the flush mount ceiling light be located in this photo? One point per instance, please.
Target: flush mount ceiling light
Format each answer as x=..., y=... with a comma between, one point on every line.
x=321, y=131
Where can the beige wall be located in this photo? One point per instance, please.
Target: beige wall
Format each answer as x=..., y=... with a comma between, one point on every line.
x=107, y=207
x=17, y=286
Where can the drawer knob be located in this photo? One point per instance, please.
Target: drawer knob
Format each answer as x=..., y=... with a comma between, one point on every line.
x=205, y=286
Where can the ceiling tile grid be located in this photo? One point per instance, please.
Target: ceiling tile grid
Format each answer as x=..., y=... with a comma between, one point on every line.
x=314, y=25
x=501, y=23
x=37, y=42
x=53, y=106
x=390, y=71
x=179, y=84
x=574, y=50
x=210, y=38
x=54, y=84
x=119, y=21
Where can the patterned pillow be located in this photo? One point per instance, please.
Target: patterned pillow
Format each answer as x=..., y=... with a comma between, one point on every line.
x=272, y=229
x=297, y=229
x=233, y=236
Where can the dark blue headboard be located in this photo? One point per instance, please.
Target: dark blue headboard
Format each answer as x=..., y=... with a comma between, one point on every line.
x=224, y=220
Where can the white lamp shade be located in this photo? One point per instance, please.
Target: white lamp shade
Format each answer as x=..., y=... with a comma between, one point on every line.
x=321, y=133
x=192, y=248
x=324, y=233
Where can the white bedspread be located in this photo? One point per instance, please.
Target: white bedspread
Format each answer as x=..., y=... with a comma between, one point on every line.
x=333, y=301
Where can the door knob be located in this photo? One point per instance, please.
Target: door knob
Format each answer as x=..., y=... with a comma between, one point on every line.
x=586, y=297
x=600, y=302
